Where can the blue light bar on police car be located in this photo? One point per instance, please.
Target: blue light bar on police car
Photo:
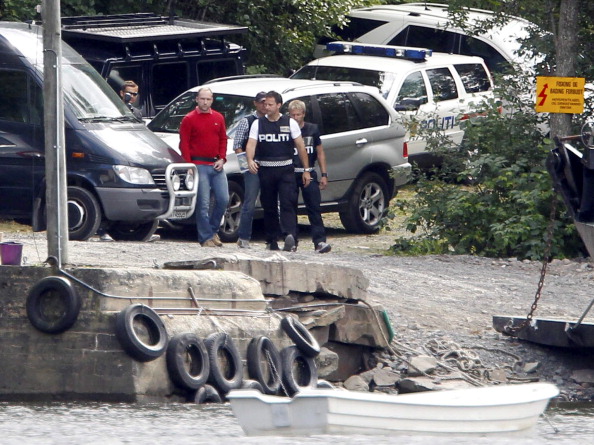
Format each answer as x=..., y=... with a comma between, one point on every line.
x=380, y=50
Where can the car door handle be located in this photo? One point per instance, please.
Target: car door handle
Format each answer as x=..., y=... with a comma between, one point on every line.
x=361, y=141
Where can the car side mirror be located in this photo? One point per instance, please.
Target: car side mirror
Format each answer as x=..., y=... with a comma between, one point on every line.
x=409, y=104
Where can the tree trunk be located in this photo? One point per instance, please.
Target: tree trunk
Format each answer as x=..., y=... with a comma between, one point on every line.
x=566, y=47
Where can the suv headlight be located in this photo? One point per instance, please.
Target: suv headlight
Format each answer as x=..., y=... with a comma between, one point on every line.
x=190, y=179
x=133, y=175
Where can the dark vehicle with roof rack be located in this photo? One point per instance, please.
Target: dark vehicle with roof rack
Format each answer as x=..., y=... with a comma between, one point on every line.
x=164, y=55
x=118, y=173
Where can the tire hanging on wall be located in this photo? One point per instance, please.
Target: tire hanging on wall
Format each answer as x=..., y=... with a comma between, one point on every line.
x=53, y=305
x=300, y=336
x=187, y=361
x=140, y=319
x=264, y=364
x=226, y=367
x=299, y=370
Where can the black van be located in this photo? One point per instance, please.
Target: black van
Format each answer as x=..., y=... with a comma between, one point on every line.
x=165, y=56
x=119, y=173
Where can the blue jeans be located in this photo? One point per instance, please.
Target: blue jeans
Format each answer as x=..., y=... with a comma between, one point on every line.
x=251, y=186
x=215, y=182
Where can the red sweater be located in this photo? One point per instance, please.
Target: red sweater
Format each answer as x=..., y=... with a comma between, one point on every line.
x=204, y=135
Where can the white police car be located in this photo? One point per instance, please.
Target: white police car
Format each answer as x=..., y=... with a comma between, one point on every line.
x=435, y=90
x=428, y=25
x=363, y=140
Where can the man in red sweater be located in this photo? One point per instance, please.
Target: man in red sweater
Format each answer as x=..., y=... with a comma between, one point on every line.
x=203, y=141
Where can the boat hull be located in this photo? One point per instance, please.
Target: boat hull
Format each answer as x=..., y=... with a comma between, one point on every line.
x=489, y=410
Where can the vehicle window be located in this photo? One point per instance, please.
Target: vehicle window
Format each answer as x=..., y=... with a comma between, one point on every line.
x=472, y=46
x=216, y=68
x=438, y=40
x=169, y=80
x=118, y=74
x=474, y=77
x=382, y=80
x=335, y=110
x=413, y=91
x=13, y=96
x=370, y=113
x=443, y=84
x=356, y=27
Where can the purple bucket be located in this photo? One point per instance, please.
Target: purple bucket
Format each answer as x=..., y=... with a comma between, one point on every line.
x=11, y=253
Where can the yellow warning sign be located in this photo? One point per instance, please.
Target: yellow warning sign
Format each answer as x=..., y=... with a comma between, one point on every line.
x=560, y=94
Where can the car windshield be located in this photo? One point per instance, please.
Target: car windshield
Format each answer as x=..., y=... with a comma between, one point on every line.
x=382, y=80
x=89, y=96
x=232, y=107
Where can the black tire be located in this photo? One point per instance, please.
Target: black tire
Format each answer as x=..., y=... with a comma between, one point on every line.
x=229, y=230
x=53, y=305
x=187, y=361
x=300, y=336
x=366, y=205
x=226, y=367
x=137, y=321
x=253, y=384
x=264, y=364
x=84, y=214
x=299, y=371
x=132, y=231
x=207, y=394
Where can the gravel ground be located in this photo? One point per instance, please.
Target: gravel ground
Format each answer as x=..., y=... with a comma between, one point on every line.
x=448, y=300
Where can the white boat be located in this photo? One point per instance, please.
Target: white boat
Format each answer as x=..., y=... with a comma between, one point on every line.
x=485, y=410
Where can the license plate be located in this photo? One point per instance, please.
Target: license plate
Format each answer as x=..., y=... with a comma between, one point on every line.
x=179, y=214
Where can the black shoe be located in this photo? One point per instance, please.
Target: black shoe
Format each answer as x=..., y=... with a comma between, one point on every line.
x=272, y=246
x=323, y=247
x=290, y=244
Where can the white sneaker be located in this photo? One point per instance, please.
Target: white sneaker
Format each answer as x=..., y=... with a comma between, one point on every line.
x=243, y=244
x=105, y=237
x=154, y=238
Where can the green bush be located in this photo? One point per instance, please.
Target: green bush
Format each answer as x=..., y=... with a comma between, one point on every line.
x=493, y=195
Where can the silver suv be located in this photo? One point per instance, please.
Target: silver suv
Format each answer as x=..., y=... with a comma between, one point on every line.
x=364, y=143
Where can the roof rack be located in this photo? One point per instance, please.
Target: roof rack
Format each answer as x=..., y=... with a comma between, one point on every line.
x=136, y=27
x=321, y=83
x=366, y=49
x=241, y=77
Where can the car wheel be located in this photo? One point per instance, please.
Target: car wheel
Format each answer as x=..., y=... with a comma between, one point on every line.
x=84, y=214
x=229, y=229
x=132, y=231
x=366, y=205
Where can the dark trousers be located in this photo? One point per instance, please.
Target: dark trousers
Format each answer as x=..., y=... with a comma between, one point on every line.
x=278, y=191
x=312, y=198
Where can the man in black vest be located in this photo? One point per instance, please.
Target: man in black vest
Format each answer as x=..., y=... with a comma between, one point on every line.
x=251, y=183
x=269, y=153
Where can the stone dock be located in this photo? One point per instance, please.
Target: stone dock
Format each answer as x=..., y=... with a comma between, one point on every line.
x=242, y=296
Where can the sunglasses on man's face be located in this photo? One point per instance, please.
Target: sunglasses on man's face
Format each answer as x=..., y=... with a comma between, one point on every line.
x=131, y=94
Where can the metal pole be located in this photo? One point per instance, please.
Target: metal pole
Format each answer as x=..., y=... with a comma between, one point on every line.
x=53, y=115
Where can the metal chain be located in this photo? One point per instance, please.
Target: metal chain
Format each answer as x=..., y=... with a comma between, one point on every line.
x=543, y=270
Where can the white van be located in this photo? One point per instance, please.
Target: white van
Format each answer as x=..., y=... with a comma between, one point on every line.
x=432, y=90
x=426, y=25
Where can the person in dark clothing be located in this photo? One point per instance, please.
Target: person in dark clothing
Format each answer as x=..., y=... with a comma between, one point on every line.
x=269, y=151
x=311, y=193
x=251, y=183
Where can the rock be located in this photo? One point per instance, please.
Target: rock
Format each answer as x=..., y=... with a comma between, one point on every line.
x=497, y=375
x=417, y=384
x=421, y=365
x=326, y=362
x=361, y=325
x=582, y=376
x=356, y=383
x=385, y=377
x=530, y=367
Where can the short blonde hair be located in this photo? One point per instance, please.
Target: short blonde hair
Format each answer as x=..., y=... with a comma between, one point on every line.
x=297, y=105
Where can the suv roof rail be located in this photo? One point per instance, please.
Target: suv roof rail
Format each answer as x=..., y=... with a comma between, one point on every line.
x=322, y=83
x=240, y=77
x=367, y=49
x=137, y=27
